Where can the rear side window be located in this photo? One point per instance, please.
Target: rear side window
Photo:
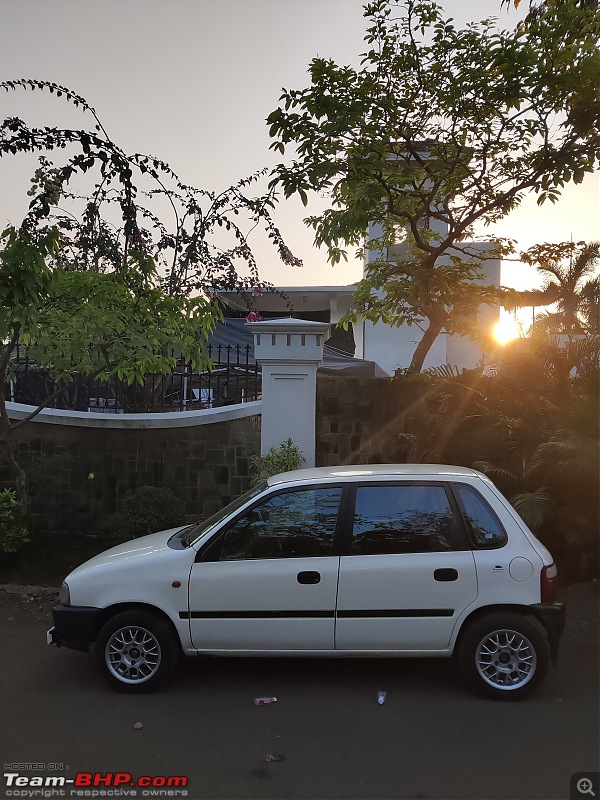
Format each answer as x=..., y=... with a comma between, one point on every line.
x=483, y=526
x=401, y=519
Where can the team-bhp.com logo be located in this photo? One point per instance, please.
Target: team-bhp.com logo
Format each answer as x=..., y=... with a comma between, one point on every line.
x=95, y=784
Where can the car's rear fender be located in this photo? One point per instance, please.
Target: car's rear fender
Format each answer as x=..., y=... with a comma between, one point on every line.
x=553, y=623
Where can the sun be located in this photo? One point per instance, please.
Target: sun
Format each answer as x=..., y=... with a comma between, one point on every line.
x=506, y=330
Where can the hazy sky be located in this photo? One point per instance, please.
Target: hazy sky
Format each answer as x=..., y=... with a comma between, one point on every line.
x=192, y=82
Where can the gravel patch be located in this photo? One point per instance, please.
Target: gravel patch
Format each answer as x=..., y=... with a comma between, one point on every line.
x=27, y=603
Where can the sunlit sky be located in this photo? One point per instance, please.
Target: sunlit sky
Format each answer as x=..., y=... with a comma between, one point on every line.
x=192, y=82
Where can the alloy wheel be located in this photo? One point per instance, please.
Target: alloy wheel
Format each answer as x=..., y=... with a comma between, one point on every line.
x=506, y=659
x=132, y=654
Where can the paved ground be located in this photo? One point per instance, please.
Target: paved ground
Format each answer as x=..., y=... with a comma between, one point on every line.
x=326, y=737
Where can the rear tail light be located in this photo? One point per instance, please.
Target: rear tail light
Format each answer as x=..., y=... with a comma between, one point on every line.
x=549, y=583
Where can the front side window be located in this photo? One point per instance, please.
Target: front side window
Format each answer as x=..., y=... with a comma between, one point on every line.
x=401, y=519
x=483, y=526
x=201, y=529
x=288, y=525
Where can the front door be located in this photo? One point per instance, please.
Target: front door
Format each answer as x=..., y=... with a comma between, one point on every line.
x=269, y=582
x=406, y=575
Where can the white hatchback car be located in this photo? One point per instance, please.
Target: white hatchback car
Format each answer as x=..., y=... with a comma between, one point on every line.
x=391, y=560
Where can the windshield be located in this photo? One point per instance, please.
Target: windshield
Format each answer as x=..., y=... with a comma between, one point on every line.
x=202, y=528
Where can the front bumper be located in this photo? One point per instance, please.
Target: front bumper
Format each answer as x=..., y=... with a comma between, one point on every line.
x=75, y=627
x=552, y=616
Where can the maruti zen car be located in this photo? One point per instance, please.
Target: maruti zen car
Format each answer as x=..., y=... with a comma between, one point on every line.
x=387, y=560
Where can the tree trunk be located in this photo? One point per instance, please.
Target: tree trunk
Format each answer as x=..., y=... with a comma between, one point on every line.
x=7, y=455
x=437, y=320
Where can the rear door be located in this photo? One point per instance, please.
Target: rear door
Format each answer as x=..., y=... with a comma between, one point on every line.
x=508, y=567
x=406, y=570
x=269, y=581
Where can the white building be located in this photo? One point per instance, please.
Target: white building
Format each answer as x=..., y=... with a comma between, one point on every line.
x=391, y=348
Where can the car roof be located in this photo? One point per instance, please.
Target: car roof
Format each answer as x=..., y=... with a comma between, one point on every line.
x=371, y=471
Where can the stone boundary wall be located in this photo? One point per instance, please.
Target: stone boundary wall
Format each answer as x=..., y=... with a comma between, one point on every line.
x=80, y=469
x=358, y=421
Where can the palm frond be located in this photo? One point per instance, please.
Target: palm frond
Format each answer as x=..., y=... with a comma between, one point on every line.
x=446, y=371
x=554, y=269
x=534, y=508
x=549, y=322
x=556, y=448
x=577, y=351
x=497, y=474
x=577, y=527
x=587, y=261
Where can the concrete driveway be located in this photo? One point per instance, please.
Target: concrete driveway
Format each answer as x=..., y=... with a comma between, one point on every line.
x=326, y=737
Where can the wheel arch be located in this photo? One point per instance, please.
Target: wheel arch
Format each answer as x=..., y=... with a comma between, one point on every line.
x=484, y=611
x=117, y=608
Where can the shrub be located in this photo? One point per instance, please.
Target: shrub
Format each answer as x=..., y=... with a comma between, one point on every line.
x=284, y=458
x=146, y=510
x=13, y=533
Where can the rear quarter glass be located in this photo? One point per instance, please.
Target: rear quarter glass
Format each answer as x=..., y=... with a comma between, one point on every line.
x=510, y=519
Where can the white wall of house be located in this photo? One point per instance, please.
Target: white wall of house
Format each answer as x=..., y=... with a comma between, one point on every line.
x=392, y=348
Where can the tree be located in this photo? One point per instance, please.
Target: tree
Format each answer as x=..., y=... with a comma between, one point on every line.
x=440, y=128
x=571, y=281
x=202, y=246
x=106, y=287
x=88, y=324
x=532, y=427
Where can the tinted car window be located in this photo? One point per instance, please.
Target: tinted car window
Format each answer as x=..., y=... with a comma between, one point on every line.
x=288, y=525
x=401, y=519
x=202, y=528
x=483, y=526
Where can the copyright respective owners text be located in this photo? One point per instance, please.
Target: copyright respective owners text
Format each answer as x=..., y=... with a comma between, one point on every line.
x=33, y=780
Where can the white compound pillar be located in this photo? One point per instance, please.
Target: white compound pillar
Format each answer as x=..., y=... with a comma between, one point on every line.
x=289, y=352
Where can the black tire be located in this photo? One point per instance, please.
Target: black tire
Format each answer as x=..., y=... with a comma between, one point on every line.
x=504, y=655
x=136, y=651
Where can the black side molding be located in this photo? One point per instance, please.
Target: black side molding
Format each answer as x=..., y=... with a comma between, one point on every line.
x=397, y=612
x=254, y=614
x=299, y=614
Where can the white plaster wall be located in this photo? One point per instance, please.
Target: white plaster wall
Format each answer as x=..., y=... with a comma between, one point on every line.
x=462, y=351
x=393, y=348
x=375, y=231
x=289, y=405
x=289, y=351
x=175, y=419
x=338, y=306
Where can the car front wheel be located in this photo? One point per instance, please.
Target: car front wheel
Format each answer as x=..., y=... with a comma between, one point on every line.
x=504, y=656
x=136, y=651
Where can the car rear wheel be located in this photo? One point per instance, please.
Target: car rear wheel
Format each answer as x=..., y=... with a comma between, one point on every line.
x=504, y=656
x=136, y=651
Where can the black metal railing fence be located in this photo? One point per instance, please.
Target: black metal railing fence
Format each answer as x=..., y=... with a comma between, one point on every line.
x=233, y=378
